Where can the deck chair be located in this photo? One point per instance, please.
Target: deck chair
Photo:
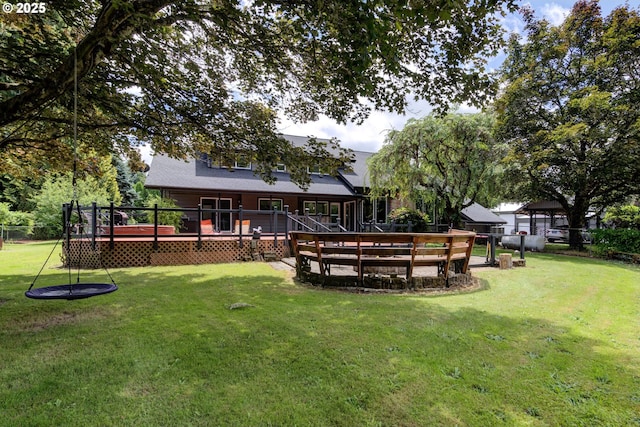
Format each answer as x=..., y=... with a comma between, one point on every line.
x=206, y=227
x=246, y=227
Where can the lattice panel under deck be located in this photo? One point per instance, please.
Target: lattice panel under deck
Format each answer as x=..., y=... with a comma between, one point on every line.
x=174, y=252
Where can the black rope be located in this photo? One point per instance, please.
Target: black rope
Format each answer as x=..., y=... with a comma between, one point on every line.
x=80, y=225
x=74, y=183
x=85, y=234
x=47, y=260
x=69, y=208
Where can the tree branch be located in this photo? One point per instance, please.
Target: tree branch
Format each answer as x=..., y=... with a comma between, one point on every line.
x=114, y=23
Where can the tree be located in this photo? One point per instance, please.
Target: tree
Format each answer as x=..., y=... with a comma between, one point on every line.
x=58, y=190
x=570, y=110
x=209, y=76
x=419, y=220
x=624, y=216
x=17, y=191
x=453, y=161
x=173, y=218
x=125, y=180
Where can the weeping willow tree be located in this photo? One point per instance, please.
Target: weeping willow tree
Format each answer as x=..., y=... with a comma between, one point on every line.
x=450, y=161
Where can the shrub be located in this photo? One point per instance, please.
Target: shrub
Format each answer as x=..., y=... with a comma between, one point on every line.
x=616, y=240
x=16, y=218
x=57, y=191
x=627, y=216
x=164, y=218
x=419, y=220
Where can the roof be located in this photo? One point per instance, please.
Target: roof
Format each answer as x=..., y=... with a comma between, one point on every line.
x=542, y=205
x=166, y=172
x=359, y=176
x=481, y=215
x=506, y=208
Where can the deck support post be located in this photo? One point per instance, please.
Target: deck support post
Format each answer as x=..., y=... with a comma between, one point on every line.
x=240, y=217
x=199, y=226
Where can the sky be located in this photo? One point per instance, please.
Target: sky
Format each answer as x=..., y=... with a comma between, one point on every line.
x=371, y=134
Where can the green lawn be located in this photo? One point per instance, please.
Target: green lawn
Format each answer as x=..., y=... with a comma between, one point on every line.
x=555, y=343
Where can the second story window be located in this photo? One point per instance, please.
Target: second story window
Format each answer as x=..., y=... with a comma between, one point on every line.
x=242, y=162
x=316, y=170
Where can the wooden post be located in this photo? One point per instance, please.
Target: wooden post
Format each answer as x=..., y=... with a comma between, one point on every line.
x=199, y=226
x=240, y=218
x=505, y=261
x=155, y=227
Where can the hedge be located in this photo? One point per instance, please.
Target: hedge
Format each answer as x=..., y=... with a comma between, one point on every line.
x=616, y=240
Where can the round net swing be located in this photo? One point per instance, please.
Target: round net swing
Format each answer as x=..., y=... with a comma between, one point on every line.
x=77, y=290
x=70, y=290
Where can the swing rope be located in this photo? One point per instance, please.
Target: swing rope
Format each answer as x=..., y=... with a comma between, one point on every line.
x=77, y=290
x=46, y=262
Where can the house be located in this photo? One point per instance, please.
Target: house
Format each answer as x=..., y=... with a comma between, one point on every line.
x=516, y=220
x=481, y=220
x=342, y=199
x=201, y=182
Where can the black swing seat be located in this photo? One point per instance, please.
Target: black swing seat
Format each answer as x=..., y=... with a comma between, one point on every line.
x=69, y=292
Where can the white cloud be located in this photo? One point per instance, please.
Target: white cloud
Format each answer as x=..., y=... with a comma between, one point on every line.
x=368, y=136
x=554, y=13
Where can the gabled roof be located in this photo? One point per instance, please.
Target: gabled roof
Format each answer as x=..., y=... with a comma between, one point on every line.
x=359, y=176
x=166, y=172
x=481, y=215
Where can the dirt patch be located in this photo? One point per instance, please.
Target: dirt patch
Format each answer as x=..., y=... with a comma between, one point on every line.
x=63, y=319
x=471, y=284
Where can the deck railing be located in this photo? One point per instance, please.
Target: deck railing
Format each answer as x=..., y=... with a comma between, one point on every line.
x=107, y=222
x=100, y=222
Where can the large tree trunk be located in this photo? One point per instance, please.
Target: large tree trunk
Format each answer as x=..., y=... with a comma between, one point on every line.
x=576, y=217
x=452, y=215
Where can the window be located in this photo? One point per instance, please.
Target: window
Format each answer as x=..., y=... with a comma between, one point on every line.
x=381, y=210
x=310, y=207
x=317, y=208
x=322, y=208
x=375, y=210
x=218, y=211
x=242, y=162
x=270, y=204
x=316, y=170
x=334, y=211
x=280, y=167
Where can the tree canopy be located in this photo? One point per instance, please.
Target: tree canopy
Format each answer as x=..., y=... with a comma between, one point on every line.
x=451, y=161
x=571, y=110
x=210, y=76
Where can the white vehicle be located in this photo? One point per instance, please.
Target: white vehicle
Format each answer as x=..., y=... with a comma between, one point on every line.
x=557, y=235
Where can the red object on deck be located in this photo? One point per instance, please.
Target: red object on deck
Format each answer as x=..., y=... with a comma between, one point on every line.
x=139, y=229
